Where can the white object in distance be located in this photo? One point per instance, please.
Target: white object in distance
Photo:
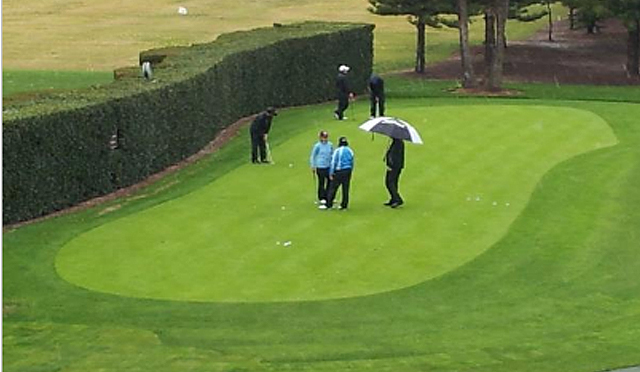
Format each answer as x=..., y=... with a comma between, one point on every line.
x=182, y=10
x=147, y=72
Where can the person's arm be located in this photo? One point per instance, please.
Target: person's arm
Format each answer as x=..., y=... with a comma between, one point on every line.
x=334, y=161
x=312, y=158
x=388, y=157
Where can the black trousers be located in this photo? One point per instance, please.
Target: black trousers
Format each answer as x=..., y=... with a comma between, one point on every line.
x=258, y=146
x=377, y=104
x=340, y=178
x=391, y=181
x=343, y=103
x=323, y=182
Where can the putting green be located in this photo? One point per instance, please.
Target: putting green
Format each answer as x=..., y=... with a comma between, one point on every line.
x=225, y=242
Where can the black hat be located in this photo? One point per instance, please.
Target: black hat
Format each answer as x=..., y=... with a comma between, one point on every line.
x=343, y=141
x=272, y=111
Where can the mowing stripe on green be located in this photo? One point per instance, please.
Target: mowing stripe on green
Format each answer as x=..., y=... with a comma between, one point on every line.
x=225, y=242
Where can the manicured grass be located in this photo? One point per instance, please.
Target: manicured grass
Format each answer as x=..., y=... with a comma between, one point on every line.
x=20, y=81
x=224, y=242
x=557, y=292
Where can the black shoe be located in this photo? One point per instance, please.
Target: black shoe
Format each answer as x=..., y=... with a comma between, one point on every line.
x=388, y=204
x=397, y=204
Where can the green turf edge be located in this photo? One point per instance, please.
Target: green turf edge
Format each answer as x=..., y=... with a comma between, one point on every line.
x=431, y=327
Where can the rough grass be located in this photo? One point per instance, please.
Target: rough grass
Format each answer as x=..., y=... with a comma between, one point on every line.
x=100, y=36
x=558, y=292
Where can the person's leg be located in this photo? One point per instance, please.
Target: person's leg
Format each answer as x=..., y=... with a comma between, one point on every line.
x=388, y=182
x=343, y=103
x=331, y=193
x=396, y=187
x=346, y=182
x=381, y=104
x=254, y=148
x=263, y=149
x=323, y=182
x=392, y=185
x=374, y=103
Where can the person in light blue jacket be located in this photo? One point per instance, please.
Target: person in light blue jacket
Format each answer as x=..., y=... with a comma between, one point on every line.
x=340, y=171
x=320, y=161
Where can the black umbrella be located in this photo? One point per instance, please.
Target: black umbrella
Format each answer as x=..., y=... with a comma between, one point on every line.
x=392, y=127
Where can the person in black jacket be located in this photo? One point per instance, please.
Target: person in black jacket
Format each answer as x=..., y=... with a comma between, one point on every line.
x=259, y=132
x=376, y=95
x=395, y=163
x=343, y=92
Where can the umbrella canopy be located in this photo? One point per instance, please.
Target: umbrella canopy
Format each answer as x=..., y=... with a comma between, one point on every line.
x=392, y=127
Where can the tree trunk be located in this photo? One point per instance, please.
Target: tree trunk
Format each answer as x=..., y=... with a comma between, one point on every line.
x=420, y=46
x=572, y=18
x=494, y=81
x=550, y=17
x=633, y=49
x=489, y=38
x=468, y=77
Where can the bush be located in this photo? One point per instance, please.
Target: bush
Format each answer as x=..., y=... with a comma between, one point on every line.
x=62, y=149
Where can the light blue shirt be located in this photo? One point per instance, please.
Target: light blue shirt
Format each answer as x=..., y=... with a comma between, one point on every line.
x=342, y=159
x=321, y=155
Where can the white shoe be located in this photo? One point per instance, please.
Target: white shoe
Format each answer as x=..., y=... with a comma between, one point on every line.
x=323, y=202
x=322, y=206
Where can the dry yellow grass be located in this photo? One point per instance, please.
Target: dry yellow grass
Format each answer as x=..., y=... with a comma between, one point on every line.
x=103, y=35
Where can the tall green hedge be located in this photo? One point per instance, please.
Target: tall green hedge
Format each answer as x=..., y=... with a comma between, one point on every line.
x=57, y=148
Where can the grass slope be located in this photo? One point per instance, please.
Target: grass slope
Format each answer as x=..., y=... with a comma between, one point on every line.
x=224, y=242
x=559, y=291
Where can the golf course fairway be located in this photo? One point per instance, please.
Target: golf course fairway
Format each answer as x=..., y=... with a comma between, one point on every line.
x=225, y=242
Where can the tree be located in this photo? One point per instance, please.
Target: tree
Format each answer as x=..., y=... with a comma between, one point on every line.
x=572, y=5
x=498, y=11
x=550, y=18
x=468, y=75
x=591, y=12
x=421, y=13
x=629, y=12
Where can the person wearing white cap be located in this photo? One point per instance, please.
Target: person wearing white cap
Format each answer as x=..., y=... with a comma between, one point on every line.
x=344, y=92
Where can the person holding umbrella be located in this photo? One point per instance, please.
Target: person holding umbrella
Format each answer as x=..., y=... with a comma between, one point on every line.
x=259, y=134
x=343, y=92
x=340, y=172
x=394, y=158
x=320, y=162
x=398, y=130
